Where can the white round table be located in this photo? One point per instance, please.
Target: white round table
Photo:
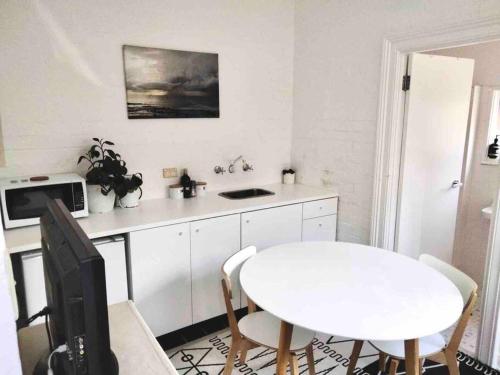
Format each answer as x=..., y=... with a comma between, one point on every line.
x=351, y=290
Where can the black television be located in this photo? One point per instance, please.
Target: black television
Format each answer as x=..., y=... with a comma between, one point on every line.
x=75, y=285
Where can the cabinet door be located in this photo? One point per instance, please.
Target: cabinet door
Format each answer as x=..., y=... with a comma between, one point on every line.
x=161, y=277
x=212, y=242
x=320, y=229
x=271, y=226
x=34, y=284
x=113, y=252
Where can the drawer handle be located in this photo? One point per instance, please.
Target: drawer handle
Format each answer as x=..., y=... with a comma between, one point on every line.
x=197, y=230
x=248, y=221
x=320, y=207
x=320, y=225
x=180, y=233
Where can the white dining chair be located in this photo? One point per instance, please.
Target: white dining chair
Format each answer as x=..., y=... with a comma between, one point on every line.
x=258, y=328
x=434, y=347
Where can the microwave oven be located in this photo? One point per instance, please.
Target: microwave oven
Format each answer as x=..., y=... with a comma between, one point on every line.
x=24, y=199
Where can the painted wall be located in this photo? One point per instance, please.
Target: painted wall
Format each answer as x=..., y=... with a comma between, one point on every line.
x=337, y=60
x=483, y=180
x=61, y=75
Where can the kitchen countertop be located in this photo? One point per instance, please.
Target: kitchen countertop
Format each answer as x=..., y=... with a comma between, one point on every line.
x=135, y=347
x=159, y=212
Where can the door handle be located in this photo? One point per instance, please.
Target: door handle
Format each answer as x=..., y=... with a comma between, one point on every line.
x=456, y=183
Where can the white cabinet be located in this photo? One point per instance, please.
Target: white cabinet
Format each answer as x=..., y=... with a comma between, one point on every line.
x=273, y=226
x=112, y=249
x=34, y=284
x=320, y=229
x=270, y=227
x=212, y=242
x=161, y=276
x=322, y=207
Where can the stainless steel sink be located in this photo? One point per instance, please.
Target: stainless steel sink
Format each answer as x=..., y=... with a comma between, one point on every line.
x=245, y=193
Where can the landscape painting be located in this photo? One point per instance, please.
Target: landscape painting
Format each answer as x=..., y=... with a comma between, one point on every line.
x=165, y=83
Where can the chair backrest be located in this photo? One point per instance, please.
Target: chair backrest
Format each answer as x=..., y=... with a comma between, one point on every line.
x=230, y=266
x=233, y=263
x=466, y=286
x=463, y=282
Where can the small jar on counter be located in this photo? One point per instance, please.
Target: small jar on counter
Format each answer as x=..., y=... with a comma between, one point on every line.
x=201, y=188
x=176, y=191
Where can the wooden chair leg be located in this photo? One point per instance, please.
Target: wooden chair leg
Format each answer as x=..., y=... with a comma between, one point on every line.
x=393, y=367
x=381, y=361
x=233, y=351
x=310, y=359
x=353, y=359
x=245, y=345
x=294, y=364
x=451, y=361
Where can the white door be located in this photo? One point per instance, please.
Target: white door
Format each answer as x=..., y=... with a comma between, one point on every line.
x=437, y=110
x=489, y=334
x=161, y=277
x=212, y=242
x=273, y=226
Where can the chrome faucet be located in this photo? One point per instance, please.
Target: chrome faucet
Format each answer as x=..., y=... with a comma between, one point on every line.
x=247, y=167
x=219, y=170
x=231, y=165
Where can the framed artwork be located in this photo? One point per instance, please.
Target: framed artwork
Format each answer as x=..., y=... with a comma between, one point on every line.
x=165, y=83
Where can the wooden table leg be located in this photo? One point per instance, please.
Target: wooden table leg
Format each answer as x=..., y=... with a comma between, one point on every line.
x=412, y=363
x=284, y=348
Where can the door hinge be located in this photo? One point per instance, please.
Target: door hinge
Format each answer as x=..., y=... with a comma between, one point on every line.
x=406, y=82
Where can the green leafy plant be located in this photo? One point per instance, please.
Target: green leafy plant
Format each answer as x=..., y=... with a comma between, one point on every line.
x=128, y=184
x=106, y=168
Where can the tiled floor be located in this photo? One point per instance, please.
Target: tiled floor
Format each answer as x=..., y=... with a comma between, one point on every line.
x=207, y=356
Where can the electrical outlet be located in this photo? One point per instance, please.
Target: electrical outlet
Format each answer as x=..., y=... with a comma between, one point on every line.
x=169, y=172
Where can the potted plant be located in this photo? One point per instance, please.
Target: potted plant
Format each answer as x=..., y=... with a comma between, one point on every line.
x=128, y=190
x=106, y=169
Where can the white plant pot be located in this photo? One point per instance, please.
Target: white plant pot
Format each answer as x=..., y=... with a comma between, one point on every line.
x=98, y=202
x=130, y=200
x=289, y=178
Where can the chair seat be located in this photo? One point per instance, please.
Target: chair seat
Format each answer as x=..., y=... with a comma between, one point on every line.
x=428, y=345
x=264, y=329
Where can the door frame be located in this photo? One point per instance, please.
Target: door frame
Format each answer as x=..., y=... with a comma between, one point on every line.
x=390, y=121
x=488, y=343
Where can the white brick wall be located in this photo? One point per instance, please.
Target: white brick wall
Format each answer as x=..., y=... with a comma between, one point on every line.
x=61, y=74
x=337, y=60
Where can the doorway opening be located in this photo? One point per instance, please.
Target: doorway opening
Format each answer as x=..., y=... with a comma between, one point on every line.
x=390, y=148
x=462, y=229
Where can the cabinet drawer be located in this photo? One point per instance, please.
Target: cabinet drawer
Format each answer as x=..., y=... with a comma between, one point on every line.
x=319, y=208
x=320, y=229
